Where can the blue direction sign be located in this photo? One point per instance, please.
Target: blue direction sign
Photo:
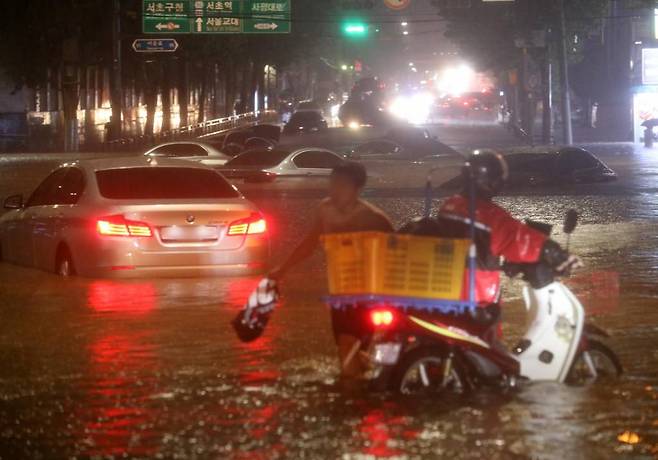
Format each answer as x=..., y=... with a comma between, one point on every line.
x=152, y=45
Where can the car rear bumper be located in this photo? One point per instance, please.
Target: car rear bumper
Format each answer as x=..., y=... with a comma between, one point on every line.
x=178, y=271
x=119, y=259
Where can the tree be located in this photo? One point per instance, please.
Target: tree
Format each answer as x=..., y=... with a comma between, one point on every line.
x=500, y=37
x=62, y=37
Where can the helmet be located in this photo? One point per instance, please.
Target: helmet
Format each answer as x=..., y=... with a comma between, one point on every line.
x=488, y=170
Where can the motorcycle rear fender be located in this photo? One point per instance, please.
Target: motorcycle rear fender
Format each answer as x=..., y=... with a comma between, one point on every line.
x=593, y=329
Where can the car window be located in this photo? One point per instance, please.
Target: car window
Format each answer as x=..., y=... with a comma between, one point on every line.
x=571, y=160
x=260, y=158
x=303, y=118
x=46, y=193
x=236, y=138
x=163, y=183
x=70, y=188
x=378, y=148
x=180, y=150
x=529, y=163
x=317, y=159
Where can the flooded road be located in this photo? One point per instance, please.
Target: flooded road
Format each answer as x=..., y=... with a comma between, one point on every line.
x=151, y=368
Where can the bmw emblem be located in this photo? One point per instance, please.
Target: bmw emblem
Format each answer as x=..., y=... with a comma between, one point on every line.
x=190, y=219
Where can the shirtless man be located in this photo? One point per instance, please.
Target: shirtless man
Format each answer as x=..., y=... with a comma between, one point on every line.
x=342, y=212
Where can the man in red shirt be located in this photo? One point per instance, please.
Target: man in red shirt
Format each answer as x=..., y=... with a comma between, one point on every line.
x=499, y=236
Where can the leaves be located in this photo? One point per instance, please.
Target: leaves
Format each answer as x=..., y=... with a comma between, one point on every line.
x=486, y=32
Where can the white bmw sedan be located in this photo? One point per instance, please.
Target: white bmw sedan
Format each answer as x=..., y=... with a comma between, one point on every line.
x=135, y=217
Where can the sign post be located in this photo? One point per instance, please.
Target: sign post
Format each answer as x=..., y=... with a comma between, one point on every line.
x=216, y=17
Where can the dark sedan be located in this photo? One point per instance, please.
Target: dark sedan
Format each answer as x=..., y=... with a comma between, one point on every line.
x=305, y=121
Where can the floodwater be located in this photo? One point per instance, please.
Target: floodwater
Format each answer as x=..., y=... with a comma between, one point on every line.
x=151, y=368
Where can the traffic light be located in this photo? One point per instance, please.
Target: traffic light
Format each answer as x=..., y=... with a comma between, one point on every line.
x=355, y=29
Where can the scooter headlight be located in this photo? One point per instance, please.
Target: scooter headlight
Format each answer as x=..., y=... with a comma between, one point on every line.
x=386, y=353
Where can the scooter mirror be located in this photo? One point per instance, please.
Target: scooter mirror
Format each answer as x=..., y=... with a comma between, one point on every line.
x=570, y=221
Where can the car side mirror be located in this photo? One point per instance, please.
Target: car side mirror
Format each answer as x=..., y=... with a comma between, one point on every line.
x=14, y=202
x=570, y=221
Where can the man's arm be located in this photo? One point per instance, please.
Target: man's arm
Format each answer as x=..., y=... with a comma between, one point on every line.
x=304, y=250
x=514, y=240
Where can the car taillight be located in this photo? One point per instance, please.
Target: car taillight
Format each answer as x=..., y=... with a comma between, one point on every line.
x=253, y=225
x=382, y=318
x=120, y=226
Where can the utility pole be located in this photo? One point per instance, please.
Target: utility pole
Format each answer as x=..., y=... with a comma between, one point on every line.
x=564, y=67
x=116, y=81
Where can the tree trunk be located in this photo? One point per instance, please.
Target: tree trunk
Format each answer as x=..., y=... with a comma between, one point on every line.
x=183, y=91
x=166, y=98
x=203, y=92
x=256, y=85
x=229, y=82
x=150, y=99
x=244, y=88
x=116, y=84
x=70, y=98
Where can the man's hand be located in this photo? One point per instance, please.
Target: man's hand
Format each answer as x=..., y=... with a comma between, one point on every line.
x=571, y=263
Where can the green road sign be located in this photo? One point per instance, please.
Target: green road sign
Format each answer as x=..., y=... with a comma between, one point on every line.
x=216, y=17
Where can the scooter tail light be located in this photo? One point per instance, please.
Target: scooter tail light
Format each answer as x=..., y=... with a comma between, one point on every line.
x=382, y=318
x=120, y=226
x=253, y=225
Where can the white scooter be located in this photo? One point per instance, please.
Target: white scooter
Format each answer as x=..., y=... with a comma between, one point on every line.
x=413, y=350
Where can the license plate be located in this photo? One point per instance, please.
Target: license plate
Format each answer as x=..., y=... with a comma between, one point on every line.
x=386, y=353
x=192, y=233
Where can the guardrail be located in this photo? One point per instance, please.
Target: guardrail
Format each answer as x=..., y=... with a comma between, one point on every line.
x=197, y=130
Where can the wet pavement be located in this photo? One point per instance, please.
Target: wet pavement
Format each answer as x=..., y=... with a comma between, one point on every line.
x=151, y=368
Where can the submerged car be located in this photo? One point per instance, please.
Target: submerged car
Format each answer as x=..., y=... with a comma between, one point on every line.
x=270, y=165
x=305, y=121
x=569, y=165
x=389, y=149
x=201, y=152
x=134, y=217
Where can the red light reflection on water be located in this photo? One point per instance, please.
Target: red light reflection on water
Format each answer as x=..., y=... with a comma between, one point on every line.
x=239, y=289
x=123, y=297
x=379, y=429
x=116, y=404
x=123, y=362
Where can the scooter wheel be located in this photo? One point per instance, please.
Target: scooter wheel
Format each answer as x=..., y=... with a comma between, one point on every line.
x=598, y=358
x=423, y=371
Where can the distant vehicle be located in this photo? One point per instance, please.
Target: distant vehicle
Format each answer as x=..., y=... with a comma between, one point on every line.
x=129, y=217
x=200, y=152
x=398, y=144
x=570, y=165
x=235, y=141
x=305, y=121
x=262, y=165
x=308, y=105
x=258, y=143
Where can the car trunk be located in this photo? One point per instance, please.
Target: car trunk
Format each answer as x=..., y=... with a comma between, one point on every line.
x=188, y=225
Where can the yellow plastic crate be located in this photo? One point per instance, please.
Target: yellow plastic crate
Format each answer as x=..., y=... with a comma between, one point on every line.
x=396, y=265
